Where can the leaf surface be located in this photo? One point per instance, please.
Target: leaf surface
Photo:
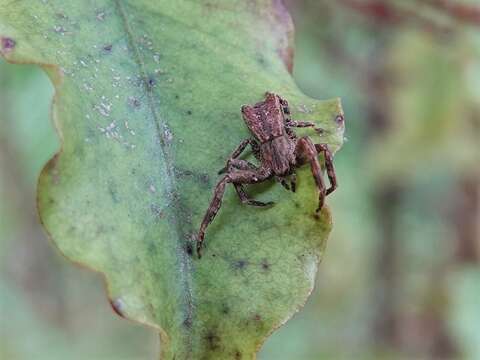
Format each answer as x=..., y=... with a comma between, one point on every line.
x=148, y=97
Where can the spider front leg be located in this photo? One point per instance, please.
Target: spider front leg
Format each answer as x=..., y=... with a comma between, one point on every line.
x=329, y=166
x=237, y=164
x=238, y=151
x=305, y=151
x=303, y=124
x=235, y=177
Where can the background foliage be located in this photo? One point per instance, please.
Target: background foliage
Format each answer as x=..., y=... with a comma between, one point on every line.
x=401, y=275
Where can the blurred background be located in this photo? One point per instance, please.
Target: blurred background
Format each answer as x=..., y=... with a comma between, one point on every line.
x=401, y=276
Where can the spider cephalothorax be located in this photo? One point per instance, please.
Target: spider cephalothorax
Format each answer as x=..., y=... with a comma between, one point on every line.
x=279, y=151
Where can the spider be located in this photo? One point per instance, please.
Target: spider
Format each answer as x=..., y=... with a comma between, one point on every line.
x=279, y=151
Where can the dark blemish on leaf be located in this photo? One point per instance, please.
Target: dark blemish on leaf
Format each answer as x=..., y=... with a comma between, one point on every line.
x=238, y=355
x=265, y=265
x=157, y=211
x=112, y=189
x=152, y=247
x=316, y=217
x=61, y=15
x=134, y=102
x=108, y=48
x=177, y=96
x=189, y=112
x=213, y=341
x=203, y=178
x=225, y=309
x=261, y=60
x=240, y=264
x=150, y=83
x=257, y=317
x=189, y=249
x=8, y=44
x=117, y=306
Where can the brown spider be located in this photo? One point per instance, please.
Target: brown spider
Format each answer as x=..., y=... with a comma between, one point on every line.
x=279, y=151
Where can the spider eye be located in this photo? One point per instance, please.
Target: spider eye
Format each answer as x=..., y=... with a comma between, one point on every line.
x=339, y=119
x=286, y=110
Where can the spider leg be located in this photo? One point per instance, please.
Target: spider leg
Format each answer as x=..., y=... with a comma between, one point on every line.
x=239, y=165
x=300, y=124
x=236, y=164
x=283, y=181
x=238, y=151
x=303, y=124
x=245, y=199
x=293, y=182
x=306, y=152
x=329, y=166
x=235, y=177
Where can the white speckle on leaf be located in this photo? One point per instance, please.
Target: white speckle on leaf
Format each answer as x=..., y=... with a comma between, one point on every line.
x=132, y=132
x=100, y=16
x=304, y=109
x=103, y=108
x=59, y=29
x=87, y=86
x=167, y=134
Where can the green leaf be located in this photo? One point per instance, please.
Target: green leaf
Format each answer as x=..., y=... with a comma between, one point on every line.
x=148, y=97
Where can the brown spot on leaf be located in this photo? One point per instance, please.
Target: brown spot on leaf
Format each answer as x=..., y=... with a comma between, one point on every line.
x=157, y=211
x=8, y=44
x=213, y=341
x=189, y=249
x=151, y=82
x=225, y=309
x=117, y=307
x=108, y=47
x=238, y=355
x=240, y=264
x=265, y=265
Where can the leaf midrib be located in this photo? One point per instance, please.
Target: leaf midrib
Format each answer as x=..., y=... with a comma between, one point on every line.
x=185, y=261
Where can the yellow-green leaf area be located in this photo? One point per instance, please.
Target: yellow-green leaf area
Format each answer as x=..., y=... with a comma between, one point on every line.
x=147, y=105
